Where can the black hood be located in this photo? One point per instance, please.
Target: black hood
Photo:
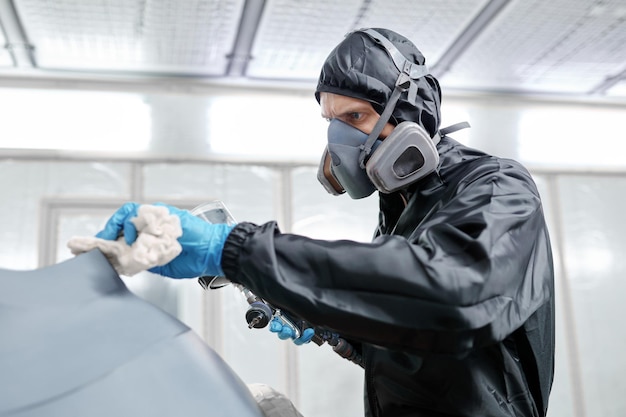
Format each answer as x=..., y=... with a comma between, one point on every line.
x=360, y=68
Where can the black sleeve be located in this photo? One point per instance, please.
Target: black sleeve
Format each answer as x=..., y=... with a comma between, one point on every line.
x=470, y=275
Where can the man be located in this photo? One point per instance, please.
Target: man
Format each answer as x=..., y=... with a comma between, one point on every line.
x=451, y=306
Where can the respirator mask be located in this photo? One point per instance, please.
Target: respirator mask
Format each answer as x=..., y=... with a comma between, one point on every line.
x=358, y=163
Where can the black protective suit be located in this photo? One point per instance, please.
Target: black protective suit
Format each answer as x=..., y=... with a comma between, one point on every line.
x=451, y=305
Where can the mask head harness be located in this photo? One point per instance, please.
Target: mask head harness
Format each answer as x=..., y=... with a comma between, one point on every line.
x=358, y=163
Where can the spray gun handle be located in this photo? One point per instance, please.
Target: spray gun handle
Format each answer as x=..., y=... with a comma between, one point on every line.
x=294, y=325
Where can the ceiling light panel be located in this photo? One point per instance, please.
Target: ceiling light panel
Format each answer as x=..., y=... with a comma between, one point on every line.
x=295, y=37
x=541, y=46
x=183, y=37
x=431, y=25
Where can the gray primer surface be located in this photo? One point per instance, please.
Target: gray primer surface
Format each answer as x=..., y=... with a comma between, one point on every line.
x=75, y=341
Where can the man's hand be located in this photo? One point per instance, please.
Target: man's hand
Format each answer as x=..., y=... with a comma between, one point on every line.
x=201, y=242
x=285, y=332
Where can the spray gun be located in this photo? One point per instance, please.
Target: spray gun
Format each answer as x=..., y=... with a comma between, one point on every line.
x=260, y=312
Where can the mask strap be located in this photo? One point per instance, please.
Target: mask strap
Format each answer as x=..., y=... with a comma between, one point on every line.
x=408, y=72
x=402, y=84
x=453, y=128
x=449, y=129
x=414, y=71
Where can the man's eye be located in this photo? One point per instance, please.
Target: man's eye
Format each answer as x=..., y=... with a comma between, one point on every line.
x=356, y=116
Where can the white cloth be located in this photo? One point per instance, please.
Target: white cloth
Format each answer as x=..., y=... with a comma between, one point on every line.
x=156, y=244
x=273, y=403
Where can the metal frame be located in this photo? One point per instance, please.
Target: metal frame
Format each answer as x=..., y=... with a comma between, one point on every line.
x=18, y=45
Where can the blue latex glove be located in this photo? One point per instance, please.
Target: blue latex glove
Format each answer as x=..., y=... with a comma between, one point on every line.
x=201, y=242
x=285, y=332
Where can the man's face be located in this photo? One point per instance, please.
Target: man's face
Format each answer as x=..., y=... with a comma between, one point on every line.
x=356, y=112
